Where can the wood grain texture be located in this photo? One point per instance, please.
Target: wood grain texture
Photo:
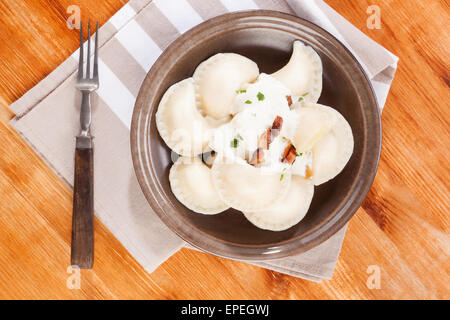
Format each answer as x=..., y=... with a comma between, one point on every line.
x=402, y=226
x=82, y=244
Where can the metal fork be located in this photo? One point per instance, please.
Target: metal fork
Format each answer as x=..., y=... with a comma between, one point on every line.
x=82, y=252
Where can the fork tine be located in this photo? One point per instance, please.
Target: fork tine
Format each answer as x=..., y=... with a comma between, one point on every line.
x=96, y=53
x=88, y=66
x=80, y=60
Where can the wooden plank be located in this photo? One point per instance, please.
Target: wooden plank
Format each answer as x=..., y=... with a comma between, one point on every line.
x=402, y=227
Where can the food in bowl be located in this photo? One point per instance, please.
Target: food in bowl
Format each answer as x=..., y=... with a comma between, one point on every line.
x=255, y=142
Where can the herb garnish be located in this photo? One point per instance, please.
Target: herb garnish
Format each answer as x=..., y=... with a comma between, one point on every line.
x=305, y=94
x=235, y=142
x=260, y=96
x=300, y=99
x=282, y=176
x=241, y=91
x=299, y=154
x=248, y=102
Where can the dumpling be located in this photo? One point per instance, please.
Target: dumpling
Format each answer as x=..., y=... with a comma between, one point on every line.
x=303, y=73
x=218, y=78
x=332, y=152
x=286, y=211
x=266, y=90
x=191, y=183
x=179, y=123
x=313, y=123
x=247, y=188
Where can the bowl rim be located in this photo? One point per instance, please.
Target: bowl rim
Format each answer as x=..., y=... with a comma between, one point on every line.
x=149, y=184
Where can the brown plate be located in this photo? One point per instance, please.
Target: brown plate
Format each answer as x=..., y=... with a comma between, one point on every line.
x=265, y=37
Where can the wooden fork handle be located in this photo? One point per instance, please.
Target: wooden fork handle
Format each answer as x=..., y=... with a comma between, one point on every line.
x=82, y=254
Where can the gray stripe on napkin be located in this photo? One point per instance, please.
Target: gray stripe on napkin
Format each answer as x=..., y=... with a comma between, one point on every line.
x=208, y=9
x=274, y=5
x=132, y=75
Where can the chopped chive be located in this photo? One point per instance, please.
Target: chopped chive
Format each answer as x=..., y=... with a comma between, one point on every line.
x=240, y=137
x=241, y=91
x=260, y=96
x=254, y=114
x=305, y=94
x=234, y=143
x=248, y=102
x=282, y=176
x=299, y=154
x=300, y=99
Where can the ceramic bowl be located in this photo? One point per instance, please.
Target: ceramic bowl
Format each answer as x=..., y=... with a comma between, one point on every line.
x=266, y=37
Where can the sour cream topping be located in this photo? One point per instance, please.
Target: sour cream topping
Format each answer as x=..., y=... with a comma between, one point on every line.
x=255, y=110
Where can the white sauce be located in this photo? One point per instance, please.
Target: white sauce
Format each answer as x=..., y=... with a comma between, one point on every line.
x=255, y=111
x=301, y=162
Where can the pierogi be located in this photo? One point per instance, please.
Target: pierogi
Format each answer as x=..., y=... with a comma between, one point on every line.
x=251, y=141
x=179, y=123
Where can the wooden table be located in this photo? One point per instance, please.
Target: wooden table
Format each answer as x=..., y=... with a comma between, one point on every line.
x=402, y=227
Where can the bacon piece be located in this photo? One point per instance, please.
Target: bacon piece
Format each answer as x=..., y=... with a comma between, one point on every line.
x=289, y=154
x=289, y=100
x=277, y=124
x=264, y=140
x=308, y=172
x=257, y=157
x=276, y=128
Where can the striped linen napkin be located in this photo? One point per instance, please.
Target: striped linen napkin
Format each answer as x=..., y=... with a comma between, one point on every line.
x=130, y=42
